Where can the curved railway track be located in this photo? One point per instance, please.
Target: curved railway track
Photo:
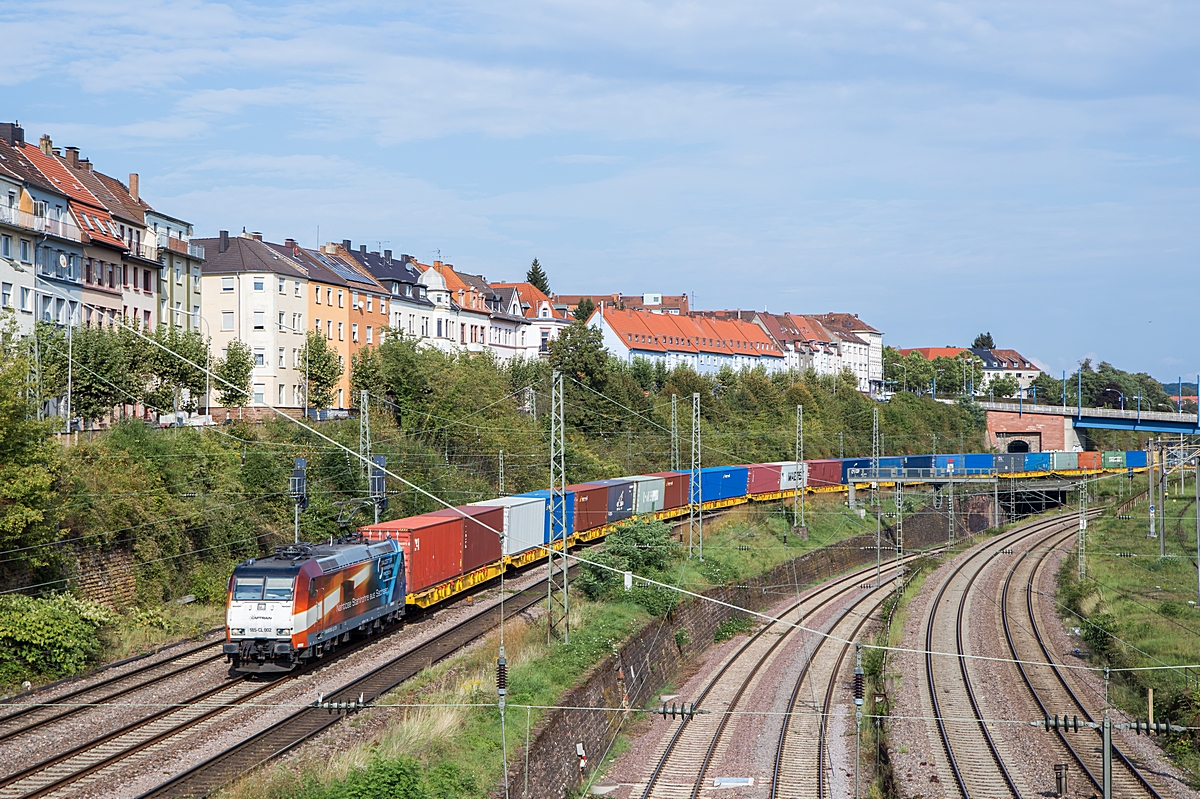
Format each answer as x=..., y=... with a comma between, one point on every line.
x=1049, y=687
x=697, y=742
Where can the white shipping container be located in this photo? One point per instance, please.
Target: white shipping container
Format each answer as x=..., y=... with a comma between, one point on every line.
x=789, y=477
x=524, y=522
x=649, y=494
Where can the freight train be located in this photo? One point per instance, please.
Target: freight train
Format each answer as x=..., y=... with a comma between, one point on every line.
x=303, y=601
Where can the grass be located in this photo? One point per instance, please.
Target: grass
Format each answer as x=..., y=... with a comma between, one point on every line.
x=1134, y=611
x=145, y=630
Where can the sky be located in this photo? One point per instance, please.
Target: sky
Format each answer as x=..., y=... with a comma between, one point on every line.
x=940, y=169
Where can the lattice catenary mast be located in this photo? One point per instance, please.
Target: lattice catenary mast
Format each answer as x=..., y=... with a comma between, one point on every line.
x=557, y=593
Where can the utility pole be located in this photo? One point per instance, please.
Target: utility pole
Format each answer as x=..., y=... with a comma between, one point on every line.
x=557, y=595
x=501, y=485
x=695, y=517
x=1152, y=493
x=899, y=533
x=1197, y=506
x=298, y=488
x=364, y=431
x=674, y=432
x=950, y=506
x=378, y=484
x=70, y=365
x=1081, y=553
x=841, y=445
x=1162, y=502
x=875, y=443
x=798, y=497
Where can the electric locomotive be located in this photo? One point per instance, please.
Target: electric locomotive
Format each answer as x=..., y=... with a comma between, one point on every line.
x=305, y=600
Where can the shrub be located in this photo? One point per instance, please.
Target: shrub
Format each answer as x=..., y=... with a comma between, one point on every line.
x=1098, y=632
x=48, y=637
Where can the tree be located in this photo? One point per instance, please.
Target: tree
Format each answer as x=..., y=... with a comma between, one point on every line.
x=984, y=342
x=322, y=367
x=585, y=309
x=1005, y=386
x=366, y=374
x=537, y=276
x=579, y=352
x=234, y=372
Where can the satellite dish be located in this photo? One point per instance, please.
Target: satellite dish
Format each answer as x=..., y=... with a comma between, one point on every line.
x=62, y=260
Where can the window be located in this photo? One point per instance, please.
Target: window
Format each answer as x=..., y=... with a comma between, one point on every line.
x=260, y=358
x=260, y=393
x=280, y=402
x=5, y=295
x=281, y=366
x=295, y=357
x=341, y=299
x=247, y=589
x=329, y=328
x=329, y=296
x=178, y=274
x=298, y=289
x=146, y=319
x=260, y=321
x=147, y=285
x=439, y=328
x=25, y=259
x=318, y=325
x=341, y=331
x=340, y=403
x=260, y=284
x=317, y=291
x=226, y=284
x=353, y=332
x=26, y=300
x=354, y=300
x=282, y=286
x=370, y=303
x=6, y=246
x=281, y=317
x=370, y=339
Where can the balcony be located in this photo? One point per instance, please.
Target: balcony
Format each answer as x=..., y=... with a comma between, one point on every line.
x=61, y=228
x=180, y=246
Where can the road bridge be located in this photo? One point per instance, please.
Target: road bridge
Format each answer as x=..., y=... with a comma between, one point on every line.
x=1026, y=427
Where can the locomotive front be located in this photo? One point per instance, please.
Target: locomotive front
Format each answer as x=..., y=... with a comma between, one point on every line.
x=260, y=615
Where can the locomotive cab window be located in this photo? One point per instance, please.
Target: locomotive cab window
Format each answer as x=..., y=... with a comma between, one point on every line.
x=279, y=589
x=248, y=589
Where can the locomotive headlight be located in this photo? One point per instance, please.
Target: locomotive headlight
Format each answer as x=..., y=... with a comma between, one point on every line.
x=237, y=630
x=283, y=630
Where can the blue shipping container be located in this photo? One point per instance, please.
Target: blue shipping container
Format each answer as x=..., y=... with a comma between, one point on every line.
x=722, y=482
x=1135, y=459
x=853, y=463
x=545, y=494
x=1037, y=462
x=918, y=462
x=620, y=498
x=979, y=462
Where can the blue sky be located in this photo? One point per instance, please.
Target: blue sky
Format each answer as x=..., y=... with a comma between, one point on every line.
x=939, y=169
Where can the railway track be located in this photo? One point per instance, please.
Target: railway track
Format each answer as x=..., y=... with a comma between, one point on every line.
x=23, y=718
x=1049, y=687
x=684, y=759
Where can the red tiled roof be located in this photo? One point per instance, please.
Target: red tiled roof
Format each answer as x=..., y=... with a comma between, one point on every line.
x=929, y=353
x=1018, y=360
x=531, y=298
x=92, y=218
x=693, y=334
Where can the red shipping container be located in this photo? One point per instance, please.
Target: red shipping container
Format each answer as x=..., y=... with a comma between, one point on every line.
x=675, y=488
x=824, y=473
x=591, y=506
x=763, y=478
x=481, y=546
x=1090, y=460
x=432, y=546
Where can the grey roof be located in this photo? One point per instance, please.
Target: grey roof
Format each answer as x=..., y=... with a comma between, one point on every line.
x=246, y=255
x=989, y=360
x=384, y=267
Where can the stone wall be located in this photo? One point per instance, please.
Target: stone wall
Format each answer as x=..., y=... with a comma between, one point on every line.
x=632, y=676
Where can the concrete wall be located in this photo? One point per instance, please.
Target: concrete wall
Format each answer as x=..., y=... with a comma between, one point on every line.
x=631, y=677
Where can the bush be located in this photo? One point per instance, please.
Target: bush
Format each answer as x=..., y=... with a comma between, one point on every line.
x=731, y=627
x=48, y=637
x=1098, y=632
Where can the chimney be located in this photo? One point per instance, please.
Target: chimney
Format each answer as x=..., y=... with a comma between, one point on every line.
x=73, y=157
x=437, y=264
x=347, y=245
x=13, y=133
x=362, y=249
x=133, y=186
x=44, y=144
x=85, y=164
x=224, y=242
x=387, y=256
x=256, y=236
x=290, y=243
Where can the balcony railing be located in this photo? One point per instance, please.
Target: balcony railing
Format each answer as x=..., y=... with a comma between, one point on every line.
x=62, y=228
x=180, y=246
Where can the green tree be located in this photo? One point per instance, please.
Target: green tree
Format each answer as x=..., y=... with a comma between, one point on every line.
x=585, y=309
x=234, y=371
x=366, y=374
x=322, y=367
x=169, y=379
x=1006, y=386
x=30, y=463
x=537, y=277
x=984, y=341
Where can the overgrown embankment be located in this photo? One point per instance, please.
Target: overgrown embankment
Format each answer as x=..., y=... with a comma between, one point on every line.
x=1135, y=609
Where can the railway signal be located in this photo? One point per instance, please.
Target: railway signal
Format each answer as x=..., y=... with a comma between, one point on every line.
x=298, y=488
x=378, y=484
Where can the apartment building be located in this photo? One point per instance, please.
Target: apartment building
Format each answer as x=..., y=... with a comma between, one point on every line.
x=254, y=292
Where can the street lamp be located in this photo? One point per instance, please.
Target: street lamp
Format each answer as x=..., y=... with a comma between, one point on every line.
x=207, y=367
